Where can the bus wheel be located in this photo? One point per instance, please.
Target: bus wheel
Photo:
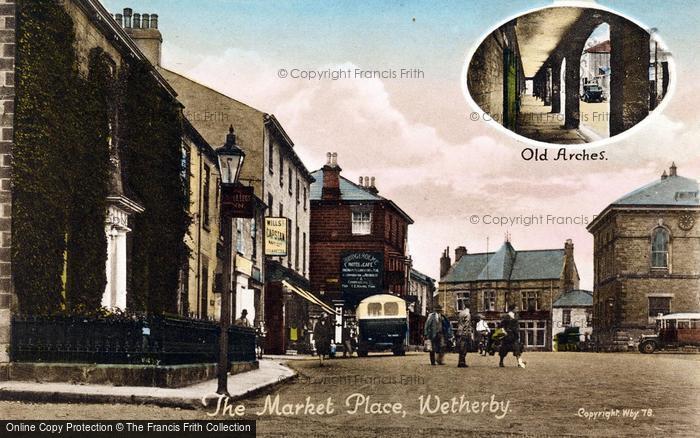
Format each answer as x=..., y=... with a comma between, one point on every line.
x=647, y=347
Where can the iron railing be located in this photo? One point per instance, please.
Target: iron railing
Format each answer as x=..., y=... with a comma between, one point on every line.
x=148, y=339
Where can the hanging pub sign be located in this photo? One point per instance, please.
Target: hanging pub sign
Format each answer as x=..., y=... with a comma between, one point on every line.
x=276, y=236
x=237, y=201
x=362, y=273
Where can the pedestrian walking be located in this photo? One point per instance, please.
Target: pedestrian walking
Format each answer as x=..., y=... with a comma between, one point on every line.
x=348, y=334
x=483, y=333
x=511, y=341
x=438, y=331
x=465, y=337
x=322, y=337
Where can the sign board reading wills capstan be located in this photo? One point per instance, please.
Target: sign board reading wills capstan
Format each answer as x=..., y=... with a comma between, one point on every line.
x=276, y=231
x=362, y=273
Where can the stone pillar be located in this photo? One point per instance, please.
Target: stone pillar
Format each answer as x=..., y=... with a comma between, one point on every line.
x=547, y=86
x=556, y=86
x=629, y=76
x=7, y=96
x=572, y=79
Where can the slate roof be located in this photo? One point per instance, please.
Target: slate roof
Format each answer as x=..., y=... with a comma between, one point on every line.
x=507, y=264
x=349, y=191
x=673, y=190
x=575, y=298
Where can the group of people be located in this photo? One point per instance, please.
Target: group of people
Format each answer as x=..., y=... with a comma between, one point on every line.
x=438, y=333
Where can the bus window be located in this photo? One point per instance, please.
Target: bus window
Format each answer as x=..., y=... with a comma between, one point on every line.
x=391, y=309
x=374, y=309
x=695, y=324
x=683, y=324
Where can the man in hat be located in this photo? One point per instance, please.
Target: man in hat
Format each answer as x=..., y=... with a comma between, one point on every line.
x=438, y=331
x=243, y=320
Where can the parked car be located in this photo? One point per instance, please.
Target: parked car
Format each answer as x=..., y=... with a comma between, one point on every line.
x=593, y=93
x=383, y=323
x=673, y=331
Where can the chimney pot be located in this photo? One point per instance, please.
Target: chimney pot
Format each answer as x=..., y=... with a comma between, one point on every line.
x=673, y=171
x=137, y=21
x=664, y=175
x=372, y=183
x=361, y=181
x=335, y=158
x=145, y=21
x=154, y=21
x=118, y=18
x=127, y=18
x=328, y=158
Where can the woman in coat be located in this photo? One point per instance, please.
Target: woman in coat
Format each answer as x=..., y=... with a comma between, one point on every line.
x=322, y=337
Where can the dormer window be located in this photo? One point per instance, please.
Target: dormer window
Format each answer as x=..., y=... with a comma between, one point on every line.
x=660, y=239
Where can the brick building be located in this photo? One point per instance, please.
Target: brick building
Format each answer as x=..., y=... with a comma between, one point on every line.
x=647, y=259
x=488, y=283
x=353, y=222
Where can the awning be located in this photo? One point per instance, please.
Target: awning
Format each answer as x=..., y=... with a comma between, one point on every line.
x=308, y=296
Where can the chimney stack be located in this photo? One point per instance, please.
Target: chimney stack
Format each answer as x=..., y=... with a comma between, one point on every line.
x=460, y=252
x=569, y=265
x=143, y=29
x=331, y=178
x=673, y=171
x=664, y=175
x=445, y=262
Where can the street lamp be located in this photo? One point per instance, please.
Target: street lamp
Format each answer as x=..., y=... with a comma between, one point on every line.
x=230, y=159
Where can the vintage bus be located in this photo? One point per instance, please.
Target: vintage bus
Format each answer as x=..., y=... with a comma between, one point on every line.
x=673, y=331
x=383, y=324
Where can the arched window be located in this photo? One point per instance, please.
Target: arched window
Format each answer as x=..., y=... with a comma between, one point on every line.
x=660, y=239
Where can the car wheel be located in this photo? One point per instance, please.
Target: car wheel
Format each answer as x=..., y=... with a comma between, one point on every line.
x=647, y=347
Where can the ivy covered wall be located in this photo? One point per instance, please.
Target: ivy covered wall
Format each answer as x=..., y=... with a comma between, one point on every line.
x=66, y=123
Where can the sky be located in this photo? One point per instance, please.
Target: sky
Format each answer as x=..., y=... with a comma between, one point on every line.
x=414, y=134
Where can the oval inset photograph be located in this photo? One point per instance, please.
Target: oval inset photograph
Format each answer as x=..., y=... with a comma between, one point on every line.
x=569, y=75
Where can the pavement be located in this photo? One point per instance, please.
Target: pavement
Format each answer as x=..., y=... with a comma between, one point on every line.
x=271, y=373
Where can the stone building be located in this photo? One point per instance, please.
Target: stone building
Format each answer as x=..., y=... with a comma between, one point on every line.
x=353, y=227
x=272, y=167
x=646, y=259
x=489, y=283
x=573, y=309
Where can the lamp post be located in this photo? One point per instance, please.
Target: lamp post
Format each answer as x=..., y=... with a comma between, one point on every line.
x=230, y=159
